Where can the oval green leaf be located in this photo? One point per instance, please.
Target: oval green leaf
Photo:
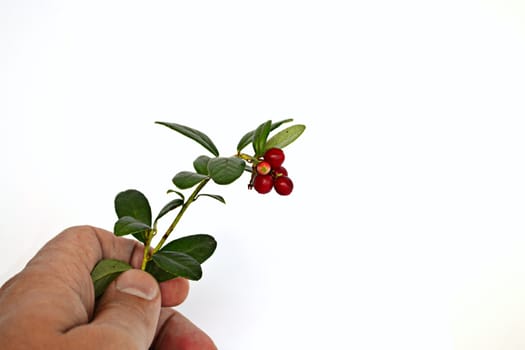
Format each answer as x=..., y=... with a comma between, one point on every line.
x=169, y=207
x=214, y=196
x=159, y=274
x=187, y=179
x=193, y=134
x=245, y=140
x=128, y=225
x=200, y=246
x=285, y=137
x=201, y=164
x=248, y=137
x=105, y=272
x=177, y=192
x=178, y=264
x=133, y=203
x=260, y=136
x=225, y=170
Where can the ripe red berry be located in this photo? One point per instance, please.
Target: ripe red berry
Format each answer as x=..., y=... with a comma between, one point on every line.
x=264, y=168
x=283, y=185
x=280, y=171
x=263, y=183
x=274, y=156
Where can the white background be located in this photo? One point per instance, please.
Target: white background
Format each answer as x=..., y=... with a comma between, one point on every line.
x=405, y=228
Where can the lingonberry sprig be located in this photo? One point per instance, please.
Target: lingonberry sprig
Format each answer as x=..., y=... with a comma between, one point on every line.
x=182, y=257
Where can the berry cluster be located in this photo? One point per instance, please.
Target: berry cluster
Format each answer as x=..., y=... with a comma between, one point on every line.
x=269, y=173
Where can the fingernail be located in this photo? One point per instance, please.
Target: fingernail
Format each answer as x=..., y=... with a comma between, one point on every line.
x=137, y=283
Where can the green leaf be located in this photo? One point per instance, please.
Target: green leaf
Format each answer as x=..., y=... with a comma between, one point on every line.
x=215, y=196
x=187, y=179
x=178, y=264
x=248, y=137
x=225, y=170
x=259, y=137
x=141, y=236
x=105, y=272
x=128, y=225
x=193, y=134
x=177, y=192
x=279, y=123
x=169, y=207
x=159, y=274
x=285, y=137
x=201, y=164
x=200, y=247
x=245, y=140
x=133, y=203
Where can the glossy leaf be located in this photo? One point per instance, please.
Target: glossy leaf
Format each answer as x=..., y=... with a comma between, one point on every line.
x=260, y=136
x=245, y=140
x=133, y=203
x=201, y=164
x=141, y=236
x=105, y=272
x=187, y=179
x=128, y=225
x=174, y=204
x=224, y=170
x=215, y=196
x=200, y=246
x=193, y=134
x=181, y=195
x=285, y=137
x=248, y=137
x=159, y=274
x=178, y=264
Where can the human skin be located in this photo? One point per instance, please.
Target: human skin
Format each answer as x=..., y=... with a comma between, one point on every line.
x=50, y=304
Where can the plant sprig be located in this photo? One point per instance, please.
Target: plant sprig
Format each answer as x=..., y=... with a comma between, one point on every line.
x=182, y=257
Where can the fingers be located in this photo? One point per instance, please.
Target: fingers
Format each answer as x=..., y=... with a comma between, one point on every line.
x=174, y=291
x=126, y=316
x=176, y=332
x=68, y=259
x=57, y=294
x=59, y=274
x=84, y=246
x=64, y=264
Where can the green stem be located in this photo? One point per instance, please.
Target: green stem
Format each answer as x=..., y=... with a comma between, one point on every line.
x=146, y=256
x=247, y=158
x=188, y=202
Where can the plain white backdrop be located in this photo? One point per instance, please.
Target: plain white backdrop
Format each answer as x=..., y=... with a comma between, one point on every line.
x=406, y=226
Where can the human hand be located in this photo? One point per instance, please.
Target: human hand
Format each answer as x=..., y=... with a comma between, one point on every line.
x=50, y=304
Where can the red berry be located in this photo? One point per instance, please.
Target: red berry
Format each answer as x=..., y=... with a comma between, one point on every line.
x=274, y=156
x=263, y=183
x=280, y=171
x=283, y=185
x=264, y=168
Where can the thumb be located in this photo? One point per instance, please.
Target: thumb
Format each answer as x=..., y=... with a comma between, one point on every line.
x=126, y=316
